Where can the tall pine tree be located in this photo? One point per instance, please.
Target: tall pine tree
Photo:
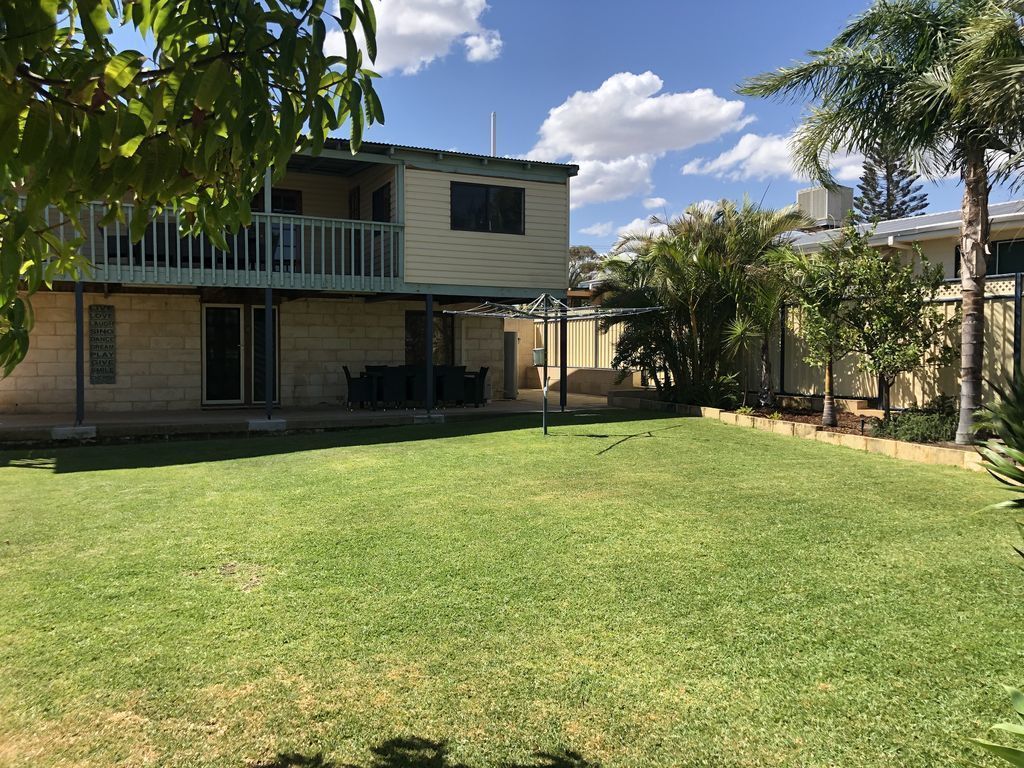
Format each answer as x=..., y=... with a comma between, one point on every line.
x=889, y=188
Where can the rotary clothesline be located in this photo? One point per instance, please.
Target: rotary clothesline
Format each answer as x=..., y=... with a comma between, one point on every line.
x=546, y=308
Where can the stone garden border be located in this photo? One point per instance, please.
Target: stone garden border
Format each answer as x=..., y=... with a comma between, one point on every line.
x=897, y=449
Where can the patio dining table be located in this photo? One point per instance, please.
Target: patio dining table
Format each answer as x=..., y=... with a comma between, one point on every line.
x=404, y=384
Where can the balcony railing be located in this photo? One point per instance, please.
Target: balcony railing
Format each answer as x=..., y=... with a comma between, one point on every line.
x=288, y=251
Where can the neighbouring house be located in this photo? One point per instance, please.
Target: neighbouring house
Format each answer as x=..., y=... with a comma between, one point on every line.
x=356, y=250
x=937, y=235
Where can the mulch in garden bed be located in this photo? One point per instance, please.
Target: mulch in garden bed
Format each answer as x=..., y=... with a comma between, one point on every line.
x=849, y=423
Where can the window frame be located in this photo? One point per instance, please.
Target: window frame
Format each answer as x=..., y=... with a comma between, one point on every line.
x=489, y=202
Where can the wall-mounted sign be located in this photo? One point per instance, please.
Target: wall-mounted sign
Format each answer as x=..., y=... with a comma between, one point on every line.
x=102, y=345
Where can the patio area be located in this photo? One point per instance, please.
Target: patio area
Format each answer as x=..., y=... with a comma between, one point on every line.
x=18, y=429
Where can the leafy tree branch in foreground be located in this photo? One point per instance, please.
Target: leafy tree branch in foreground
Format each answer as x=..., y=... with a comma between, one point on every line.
x=226, y=89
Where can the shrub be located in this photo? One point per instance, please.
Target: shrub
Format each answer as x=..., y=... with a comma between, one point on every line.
x=919, y=426
x=745, y=410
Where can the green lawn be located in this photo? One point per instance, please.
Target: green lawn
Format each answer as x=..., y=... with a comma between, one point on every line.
x=664, y=592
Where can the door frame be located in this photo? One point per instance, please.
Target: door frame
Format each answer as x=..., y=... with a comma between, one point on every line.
x=241, y=354
x=276, y=315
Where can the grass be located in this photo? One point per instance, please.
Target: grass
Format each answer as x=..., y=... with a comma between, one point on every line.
x=662, y=592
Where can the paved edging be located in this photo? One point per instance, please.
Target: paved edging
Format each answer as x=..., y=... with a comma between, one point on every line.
x=897, y=449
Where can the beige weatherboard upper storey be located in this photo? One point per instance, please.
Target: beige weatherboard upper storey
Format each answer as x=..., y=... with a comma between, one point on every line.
x=378, y=221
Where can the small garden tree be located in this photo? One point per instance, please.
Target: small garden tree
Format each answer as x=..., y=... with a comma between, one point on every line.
x=895, y=325
x=822, y=284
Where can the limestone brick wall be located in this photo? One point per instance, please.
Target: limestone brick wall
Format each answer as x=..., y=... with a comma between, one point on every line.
x=319, y=336
x=159, y=351
x=479, y=341
x=158, y=363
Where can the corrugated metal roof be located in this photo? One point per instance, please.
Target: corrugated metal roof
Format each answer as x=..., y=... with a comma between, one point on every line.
x=919, y=225
x=378, y=148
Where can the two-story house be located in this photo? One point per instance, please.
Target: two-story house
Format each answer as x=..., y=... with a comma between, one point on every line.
x=356, y=251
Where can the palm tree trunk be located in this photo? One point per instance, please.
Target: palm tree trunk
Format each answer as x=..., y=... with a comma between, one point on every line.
x=828, y=412
x=973, y=244
x=767, y=396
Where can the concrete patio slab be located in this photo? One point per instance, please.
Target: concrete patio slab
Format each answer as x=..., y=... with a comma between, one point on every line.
x=23, y=429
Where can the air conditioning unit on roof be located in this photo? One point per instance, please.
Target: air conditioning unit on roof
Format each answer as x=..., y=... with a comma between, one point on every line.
x=828, y=207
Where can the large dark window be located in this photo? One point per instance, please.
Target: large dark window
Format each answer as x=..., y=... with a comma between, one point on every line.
x=488, y=208
x=415, y=338
x=1005, y=257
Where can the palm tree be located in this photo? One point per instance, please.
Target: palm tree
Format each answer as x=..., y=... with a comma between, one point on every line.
x=938, y=81
x=696, y=269
x=759, y=315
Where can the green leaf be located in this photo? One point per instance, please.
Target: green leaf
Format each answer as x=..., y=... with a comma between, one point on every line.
x=213, y=81
x=95, y=21
x=35, y=135
x=1012, y=755
x=121, y=70
x=1016, y=699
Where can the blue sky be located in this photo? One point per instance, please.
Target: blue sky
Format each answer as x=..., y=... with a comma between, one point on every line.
x=633, y=138
x=641, y=95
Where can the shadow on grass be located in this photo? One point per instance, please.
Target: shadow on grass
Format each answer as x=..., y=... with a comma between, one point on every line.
x=178, y=452
x=415, y=752
x=623, y=438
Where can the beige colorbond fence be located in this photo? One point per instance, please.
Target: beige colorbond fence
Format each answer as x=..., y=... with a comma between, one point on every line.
x=587, y=347
x=792, y=375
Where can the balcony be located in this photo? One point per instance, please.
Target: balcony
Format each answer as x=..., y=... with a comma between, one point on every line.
x=289, y=252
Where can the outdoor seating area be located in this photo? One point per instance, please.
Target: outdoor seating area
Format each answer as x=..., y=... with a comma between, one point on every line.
x=405, y=386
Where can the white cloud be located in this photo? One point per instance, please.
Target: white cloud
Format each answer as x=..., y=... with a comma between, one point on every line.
x=653, y=203
x=627, y=116
x=413, y=33
x=485, y=46
x=761, y=157
x=618, y=131
x=601, y=229
x=640, y=226
x=601, y=181
x=646, y=226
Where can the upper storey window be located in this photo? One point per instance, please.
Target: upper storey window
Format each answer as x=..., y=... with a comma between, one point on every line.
x=488, y=208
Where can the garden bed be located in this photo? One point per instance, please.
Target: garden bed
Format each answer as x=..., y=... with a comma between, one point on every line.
x=808, y=426
x=848, y=423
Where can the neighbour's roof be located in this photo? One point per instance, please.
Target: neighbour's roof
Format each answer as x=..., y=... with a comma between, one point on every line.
x=376, y=148
x=927, y=226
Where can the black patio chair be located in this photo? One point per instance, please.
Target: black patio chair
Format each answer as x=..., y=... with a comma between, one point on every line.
x=452, y=384
x=419, y=386
x=476, y=386
x=394, y=385
x=360, y=389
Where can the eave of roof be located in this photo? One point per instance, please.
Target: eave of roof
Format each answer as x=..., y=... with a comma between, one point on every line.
x=376, y=148
x=925, y=227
